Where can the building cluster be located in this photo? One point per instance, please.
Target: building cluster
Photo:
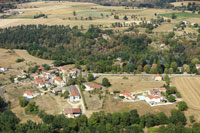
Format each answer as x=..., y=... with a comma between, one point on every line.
x=153, y=97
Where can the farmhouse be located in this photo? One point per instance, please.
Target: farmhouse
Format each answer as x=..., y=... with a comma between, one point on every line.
x=153, y=99
x=28, y=94
x=74, y=94
x=72, y=112
x=157, y=77
x=92, y=87
x=127, y=95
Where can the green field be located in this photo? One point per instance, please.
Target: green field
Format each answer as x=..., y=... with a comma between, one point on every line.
x=181, y=15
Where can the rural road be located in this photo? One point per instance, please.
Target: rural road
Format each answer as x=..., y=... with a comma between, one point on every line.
x=147, y=75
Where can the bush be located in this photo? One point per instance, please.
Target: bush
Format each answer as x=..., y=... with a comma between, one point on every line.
x=23, y=102
x=19, y=60
x=90, y=77
x=171, y=98
x=182, y=106
x=32, y=108
x=105, y=82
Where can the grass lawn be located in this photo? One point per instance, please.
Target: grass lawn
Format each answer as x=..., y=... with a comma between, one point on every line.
x=181, y=15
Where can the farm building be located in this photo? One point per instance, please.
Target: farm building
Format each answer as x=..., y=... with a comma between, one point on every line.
x=72, y=112
x=92, y=87
x=28, y=94
x=74, y=94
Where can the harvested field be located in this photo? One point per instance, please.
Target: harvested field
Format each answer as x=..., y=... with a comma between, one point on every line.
x=189, y=87
x=135, y=84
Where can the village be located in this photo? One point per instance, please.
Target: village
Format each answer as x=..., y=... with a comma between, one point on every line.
x=56, y=81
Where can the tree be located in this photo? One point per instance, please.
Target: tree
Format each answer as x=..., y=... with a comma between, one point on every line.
x=105, y=82
x=125, y=17
x=116, y=17
x=74, y=13
x=32, y=108
x=192, y=120
x=162, y=118
x=90, y=77
x=2, y=103
x=177, y=117
x=66, y=94
x=174, y=16
x=23, y=102
x=167, y=79
x=182, y=106
x=171, y=98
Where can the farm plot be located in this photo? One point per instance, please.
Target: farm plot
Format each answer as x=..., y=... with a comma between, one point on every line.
x=189, y=88
x=134, y=83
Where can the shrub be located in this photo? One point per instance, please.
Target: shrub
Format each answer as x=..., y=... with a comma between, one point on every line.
x=171, y=98
x=23, y=102
x=182, y=106
x=105, y=82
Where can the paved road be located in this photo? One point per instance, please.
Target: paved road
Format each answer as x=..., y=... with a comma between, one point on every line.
x=147, y=75
x=1, y=93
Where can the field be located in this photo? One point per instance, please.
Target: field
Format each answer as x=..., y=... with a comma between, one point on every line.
x=181, y=15
x=113, y=105
x=189, y=87
x=135, y=84
x=61, y=13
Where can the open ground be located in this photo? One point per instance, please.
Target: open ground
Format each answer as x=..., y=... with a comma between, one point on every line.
x=189, y=87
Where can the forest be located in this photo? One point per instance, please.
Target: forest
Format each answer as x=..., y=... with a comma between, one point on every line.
x=68, y=45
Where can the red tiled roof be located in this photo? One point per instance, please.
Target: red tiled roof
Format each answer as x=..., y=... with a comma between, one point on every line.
x=126, y=93
x=28, y=93
x=38, y=80
x=74, y=91
x=95, y=86
x=162, y=89
x=154, y=97
x=72, y=111
x=58, y=79
x=63, y=68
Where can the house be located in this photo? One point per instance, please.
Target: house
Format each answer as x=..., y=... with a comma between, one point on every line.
x=72, y=112
x=153, y=99
x=98, y=87
x=157, y=77
x=154, y=92
x=163, y=90
x=59, y=82
x=74, y=73
x=185, y=22
x=3, y=69
x=63, y=69
x=28, y=94
x=74, y=94
x=56, y=90
x=197, y=66
x=126, y=95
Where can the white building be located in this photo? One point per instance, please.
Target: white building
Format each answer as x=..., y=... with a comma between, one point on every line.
x=3, y=69
x=28, y=94
x=153, y=99
x=59, y=82
x=74, y=94
x=157, y=77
